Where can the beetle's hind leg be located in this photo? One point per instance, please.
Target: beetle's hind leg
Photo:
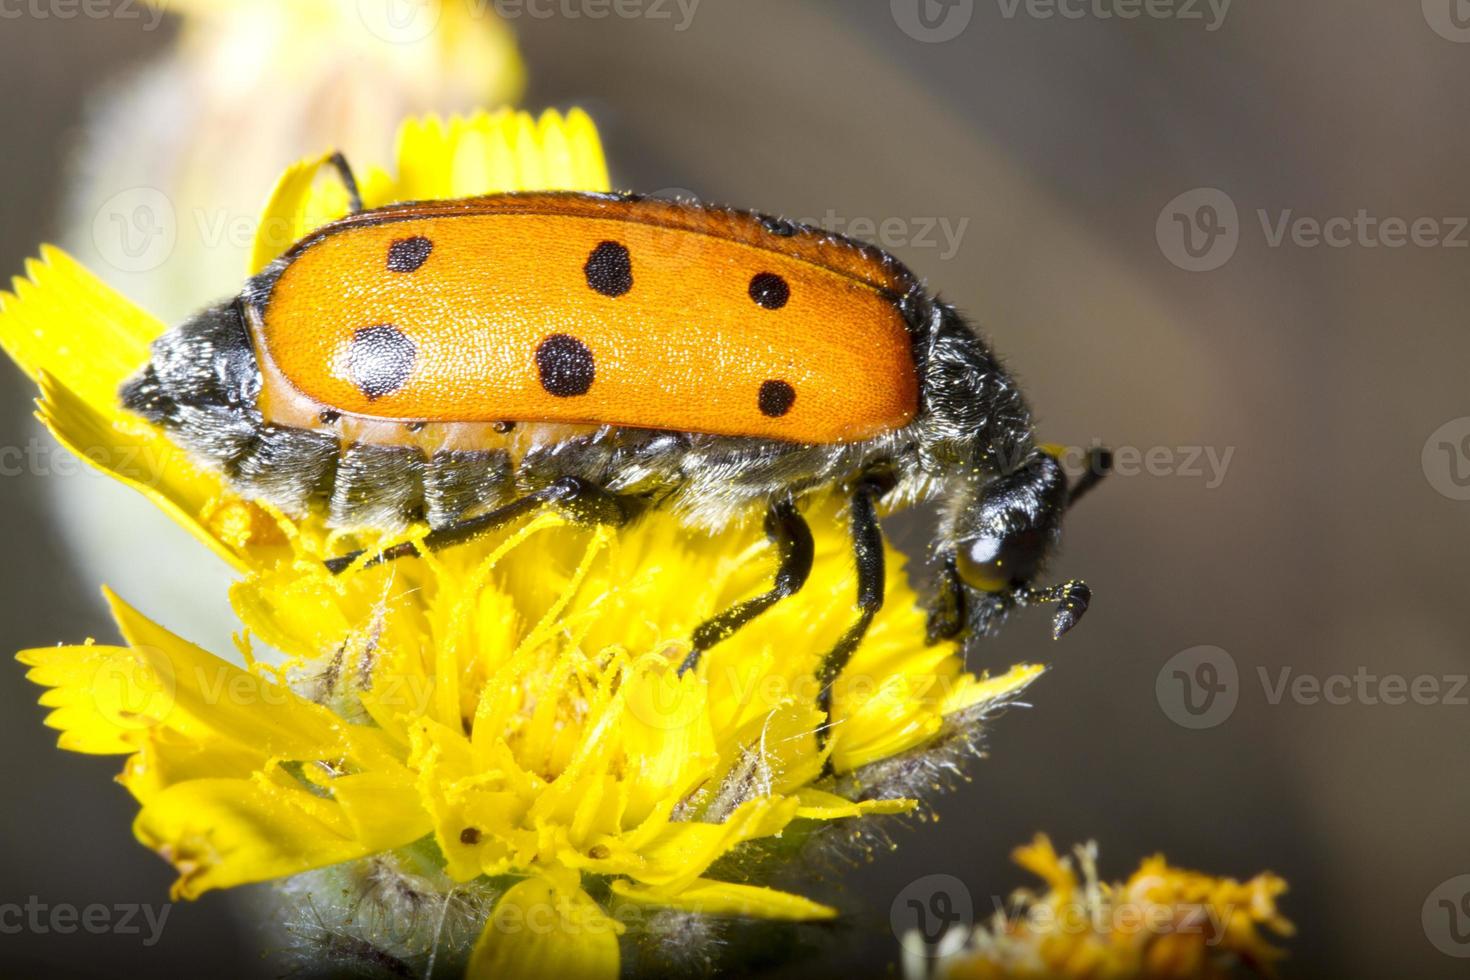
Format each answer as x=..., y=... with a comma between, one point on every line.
x=867, y=551
x=584, y=502
x=793, y=539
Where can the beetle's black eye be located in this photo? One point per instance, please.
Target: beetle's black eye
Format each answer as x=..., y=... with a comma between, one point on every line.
x=999, y=564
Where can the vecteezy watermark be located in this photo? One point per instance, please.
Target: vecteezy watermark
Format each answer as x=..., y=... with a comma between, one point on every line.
x=138, y=689
x=151, y=14
x=399, y=21
x=941, y=233
x=680, y=13
x=1206, y=463
x=1450, y=19
x=936, y=21
x=932, y=915
x=1446, y=459
x=1362, y=687
x=135, y=230
x=1210, y=13
x=1127, y=913
x=893, y=232
x=1200, y=230
x=932, y=21
x=64, y=919
x=40, y=457
x=1199, y=687
x=1446, y=916
x=412, y=21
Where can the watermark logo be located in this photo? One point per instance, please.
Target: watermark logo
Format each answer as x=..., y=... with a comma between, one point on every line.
x=1211, y=13
x=151, y=14
x=1208, y=464
x=65, y=919
x=679, y=13
x=399, y=21
x=137, y=692
x=1446, y=917
x=1199, y=230
x=660, y=697
x=135, y=230
x=1199, y=687
x=1446, y=459
x=1450, y=19
x=932, y=21
x=931, y=914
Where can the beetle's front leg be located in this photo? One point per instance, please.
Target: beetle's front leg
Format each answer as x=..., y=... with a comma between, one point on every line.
x=947, y=606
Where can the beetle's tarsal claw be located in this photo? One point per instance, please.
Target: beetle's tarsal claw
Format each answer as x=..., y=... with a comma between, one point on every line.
x=1072, y=599
x=339, y=565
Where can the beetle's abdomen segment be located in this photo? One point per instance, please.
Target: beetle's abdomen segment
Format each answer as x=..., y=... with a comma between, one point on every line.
x=579, y=317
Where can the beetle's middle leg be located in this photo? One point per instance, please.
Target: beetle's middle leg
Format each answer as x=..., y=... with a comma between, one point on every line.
x=867, y=550
x=584, y=502
x=793, y=539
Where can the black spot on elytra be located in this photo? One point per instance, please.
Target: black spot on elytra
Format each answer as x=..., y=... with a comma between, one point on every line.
x=565, y=364
x=408, y=254
x=609, y=269
x=776, y=398
x=380, y=359
x=769, y=290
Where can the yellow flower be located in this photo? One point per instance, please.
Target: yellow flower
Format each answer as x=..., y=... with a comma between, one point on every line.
x=1162, y=923
x=503, y=718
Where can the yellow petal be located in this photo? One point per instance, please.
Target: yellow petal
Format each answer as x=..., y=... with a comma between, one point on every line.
x=218, y=833
x=211, y=699
x=666, y=728
x=707, y=897
x=143, y=458
x=383, y=807
x=105, y=698
x=819, y=805
x=682, y=851
x=992, y=690
x=63, y=321
x=546, y=928
x=289, y=212
x=584, y=147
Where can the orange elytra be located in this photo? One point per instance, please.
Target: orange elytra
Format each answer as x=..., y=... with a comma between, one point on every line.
x=590, y=309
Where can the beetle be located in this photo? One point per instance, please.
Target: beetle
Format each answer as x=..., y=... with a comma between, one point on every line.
x=466, y=362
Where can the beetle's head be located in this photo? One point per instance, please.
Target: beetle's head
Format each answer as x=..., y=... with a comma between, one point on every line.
x=1001, y=539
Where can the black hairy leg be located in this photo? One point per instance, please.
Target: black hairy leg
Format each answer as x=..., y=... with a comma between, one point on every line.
x=867, y=552
x=947, y=608
x=580, y=500
x=793, y=539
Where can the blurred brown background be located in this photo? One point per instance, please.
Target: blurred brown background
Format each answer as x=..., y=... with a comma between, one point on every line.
x=1332, y=543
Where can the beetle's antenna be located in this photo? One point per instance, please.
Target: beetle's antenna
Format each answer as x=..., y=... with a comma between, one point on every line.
x=349, y=180
x=1099, y=465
